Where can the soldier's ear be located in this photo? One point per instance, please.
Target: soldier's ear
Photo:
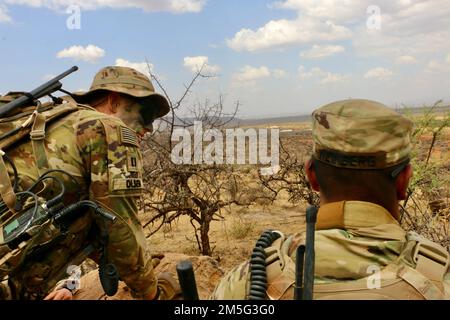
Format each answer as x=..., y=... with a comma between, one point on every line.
x=113, y=102
x=311, y=174
x=402, y=182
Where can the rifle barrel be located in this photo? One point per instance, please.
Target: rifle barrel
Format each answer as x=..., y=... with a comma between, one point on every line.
x=48, y=87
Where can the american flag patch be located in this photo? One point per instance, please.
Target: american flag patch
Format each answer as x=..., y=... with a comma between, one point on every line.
x=128, y=136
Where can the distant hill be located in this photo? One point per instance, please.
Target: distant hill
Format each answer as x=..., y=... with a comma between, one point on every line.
x=274, y=120
x=300, y=118
x=422, y=109
x=304, y=118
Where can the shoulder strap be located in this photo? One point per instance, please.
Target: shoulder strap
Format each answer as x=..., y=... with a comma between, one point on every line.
x=431, y=262
x=37, y=133
x=37, y=136
x=422, y=284
x=431, y=259
x=6, y=189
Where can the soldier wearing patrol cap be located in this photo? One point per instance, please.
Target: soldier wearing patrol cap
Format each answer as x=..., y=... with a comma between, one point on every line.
x=99, y=153
x=360, y=166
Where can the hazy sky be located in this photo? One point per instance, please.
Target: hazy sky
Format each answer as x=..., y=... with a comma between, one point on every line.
x=275, y=57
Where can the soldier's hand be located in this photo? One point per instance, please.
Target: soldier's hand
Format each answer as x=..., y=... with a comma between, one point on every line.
x=60, y=294
x=168, y=287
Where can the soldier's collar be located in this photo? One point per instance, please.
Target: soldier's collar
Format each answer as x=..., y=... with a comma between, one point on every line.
x=352, y=215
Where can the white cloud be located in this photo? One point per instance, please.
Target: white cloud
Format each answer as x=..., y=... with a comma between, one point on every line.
x=279, y=33
x=194, y=64
x=388, y=44
x=346, y=10
x=435, y=66
x=333, y=78
x=408, y=27
x=323, y=77
x=314, y=72
x=174, y=6
x=90, y=53
x=248, y=74
x=378, y=73
x=4, y=16
x=406, y=60
x=394, y=13
x=279, y=73
x=318, y=51
x=139, y=66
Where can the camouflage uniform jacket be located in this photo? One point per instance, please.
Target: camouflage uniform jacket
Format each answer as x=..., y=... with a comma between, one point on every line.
x=361, y=253
x=104, y=157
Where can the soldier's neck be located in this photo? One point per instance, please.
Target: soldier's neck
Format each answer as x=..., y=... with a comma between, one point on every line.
x=391, y=206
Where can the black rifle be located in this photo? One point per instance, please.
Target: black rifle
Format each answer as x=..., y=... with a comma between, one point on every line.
x=42, y=91
x=186, y=278
x=304, y=275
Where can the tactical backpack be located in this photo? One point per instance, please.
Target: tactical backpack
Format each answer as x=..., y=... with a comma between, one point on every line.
x=30, y=224
x=25, y=123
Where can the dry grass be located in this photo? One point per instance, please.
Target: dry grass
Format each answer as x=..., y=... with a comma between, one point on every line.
x=240, y=229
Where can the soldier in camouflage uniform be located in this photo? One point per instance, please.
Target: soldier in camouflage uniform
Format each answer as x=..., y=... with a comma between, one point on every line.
x=102, y=153
x=360, y=166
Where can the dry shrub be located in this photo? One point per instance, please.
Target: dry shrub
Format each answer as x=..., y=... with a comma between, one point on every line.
x=240, y=229
x=291, y=178
x=426, y=209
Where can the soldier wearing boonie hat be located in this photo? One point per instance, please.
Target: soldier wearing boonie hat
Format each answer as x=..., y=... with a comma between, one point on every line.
x=360, y=166
x=128, y=96
x=131, y=84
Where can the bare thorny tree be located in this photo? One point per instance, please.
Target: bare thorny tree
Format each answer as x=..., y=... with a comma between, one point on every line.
x=291, y=177
x=201, y=191
x=198, y=191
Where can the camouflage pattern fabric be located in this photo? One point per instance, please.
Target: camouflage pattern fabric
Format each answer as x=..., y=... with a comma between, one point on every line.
x=354, y=240
x=104, y=157
x=360, y=134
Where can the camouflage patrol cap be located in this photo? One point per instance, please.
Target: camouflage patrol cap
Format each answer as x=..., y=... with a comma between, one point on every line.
x=360, y=134
x=130, y=82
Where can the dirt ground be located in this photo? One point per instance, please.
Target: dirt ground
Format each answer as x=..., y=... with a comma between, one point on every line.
x=234, y=237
